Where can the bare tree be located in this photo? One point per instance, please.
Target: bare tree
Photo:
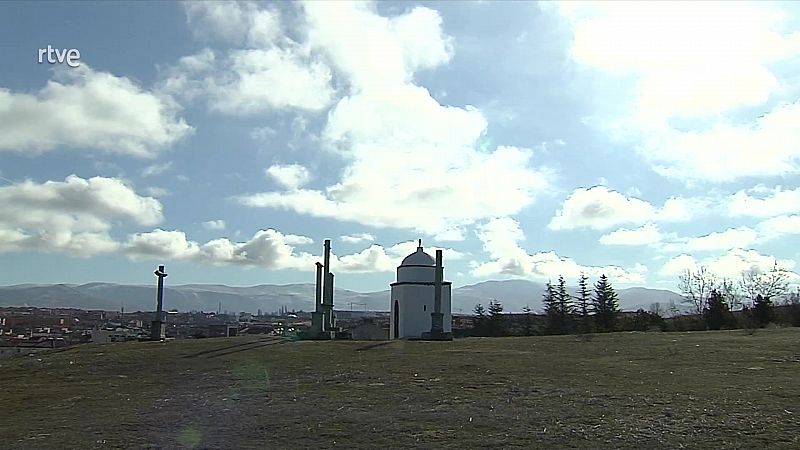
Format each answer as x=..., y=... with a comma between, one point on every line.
x=673, y=310
x=696, y=286
x=657, y=309
x=773, y=284
x=731, y=293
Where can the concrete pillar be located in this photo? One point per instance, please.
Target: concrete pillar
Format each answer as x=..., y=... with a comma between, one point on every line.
x=437, y=323
x=157, y=328
x=318, y=296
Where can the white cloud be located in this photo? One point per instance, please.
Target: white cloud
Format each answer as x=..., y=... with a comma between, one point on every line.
x=679, y=63
x=266, y=70
x=156, y=169
x=267, y=248
x=501, y=239
x=377, y=52
x=729, y=265
x=411, y=162
x=262, y=133
x=74, y=215
x=372, y=259
x=644, y=235
x=271, y=78
x=84, y=109
x=292, y=176
x=357, y=238
x=155, y=191
x=768, y=146
x=236, y=23
x=403, y=249
x=682, y=53
x=776, y=227
x=723, y=240
x=218, y=224
x=601, y=208
x=680, y=209
x=678, y=264
x=764, y=203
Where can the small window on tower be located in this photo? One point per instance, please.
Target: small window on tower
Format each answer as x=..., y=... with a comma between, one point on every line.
x=424, y=307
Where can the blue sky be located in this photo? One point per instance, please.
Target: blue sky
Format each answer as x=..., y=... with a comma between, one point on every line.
x=527, y=140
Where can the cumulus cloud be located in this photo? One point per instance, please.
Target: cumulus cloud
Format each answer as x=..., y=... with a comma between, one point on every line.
x=411, y=162
x=357, y=238
x=236, y=23
x=730, y=238
x=644, y=235
x=768, y=146
x=372, y=259
x=679, y=64
x=501, y=237
x=74, y=215
x=267, y=248
x=723, y=240
x=88, y=110
x=601, y=208
x=776, y=227
x=729, y=265
x=761, y=201
x=265, y=70
x=291, y=176
x=218, y=224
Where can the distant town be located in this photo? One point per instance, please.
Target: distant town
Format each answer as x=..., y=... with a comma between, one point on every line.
x=26, y=330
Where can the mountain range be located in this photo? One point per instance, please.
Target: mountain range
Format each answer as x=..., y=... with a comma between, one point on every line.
x=513, y=294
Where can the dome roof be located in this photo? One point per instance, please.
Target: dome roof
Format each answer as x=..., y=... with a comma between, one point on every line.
x=418, y=258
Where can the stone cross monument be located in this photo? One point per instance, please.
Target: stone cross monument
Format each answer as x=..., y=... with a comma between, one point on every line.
x=158, y=327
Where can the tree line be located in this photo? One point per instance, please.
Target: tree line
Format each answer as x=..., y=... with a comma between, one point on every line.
x=710, y=302
x=752, y=301
x=594, y=309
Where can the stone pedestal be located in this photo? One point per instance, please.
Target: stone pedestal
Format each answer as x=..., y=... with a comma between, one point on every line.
x=158, y=330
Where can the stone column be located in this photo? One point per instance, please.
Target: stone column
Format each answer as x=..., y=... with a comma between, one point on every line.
x=157, y=329
x=437, y=316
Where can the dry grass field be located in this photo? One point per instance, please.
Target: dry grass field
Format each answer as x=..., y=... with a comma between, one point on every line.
x=728, y=389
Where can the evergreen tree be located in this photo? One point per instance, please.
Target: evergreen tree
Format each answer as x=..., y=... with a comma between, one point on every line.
x=763, y=312
x=565, y=309
x=496, y=322
x=605, y=304
x=717, y=312
x=584, y=301
x=554, y=324
x=527, y=327
x=479, y=323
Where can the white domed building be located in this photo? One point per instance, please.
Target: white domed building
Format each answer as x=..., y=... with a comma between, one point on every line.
x=413, y=297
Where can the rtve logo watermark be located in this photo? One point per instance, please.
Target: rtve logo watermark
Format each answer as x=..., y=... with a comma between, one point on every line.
x=72, y=57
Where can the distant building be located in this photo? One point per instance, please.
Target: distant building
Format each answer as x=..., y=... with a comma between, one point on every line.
x=413, y=296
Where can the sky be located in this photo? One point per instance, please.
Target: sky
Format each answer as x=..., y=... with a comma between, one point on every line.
x=526, y=140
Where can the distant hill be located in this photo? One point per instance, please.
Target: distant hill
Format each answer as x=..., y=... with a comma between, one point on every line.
x=514, y=294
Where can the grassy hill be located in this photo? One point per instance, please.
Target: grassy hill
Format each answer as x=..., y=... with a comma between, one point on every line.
x=724, y=389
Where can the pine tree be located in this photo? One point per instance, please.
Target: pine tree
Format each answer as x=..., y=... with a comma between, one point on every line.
x=762, y=310
x=717, y=312
x=584, y=300
x=564, y=305
x=479, y=323
x=605, y=304
x=496, y=325
x=550, y=301
x=527, y=328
